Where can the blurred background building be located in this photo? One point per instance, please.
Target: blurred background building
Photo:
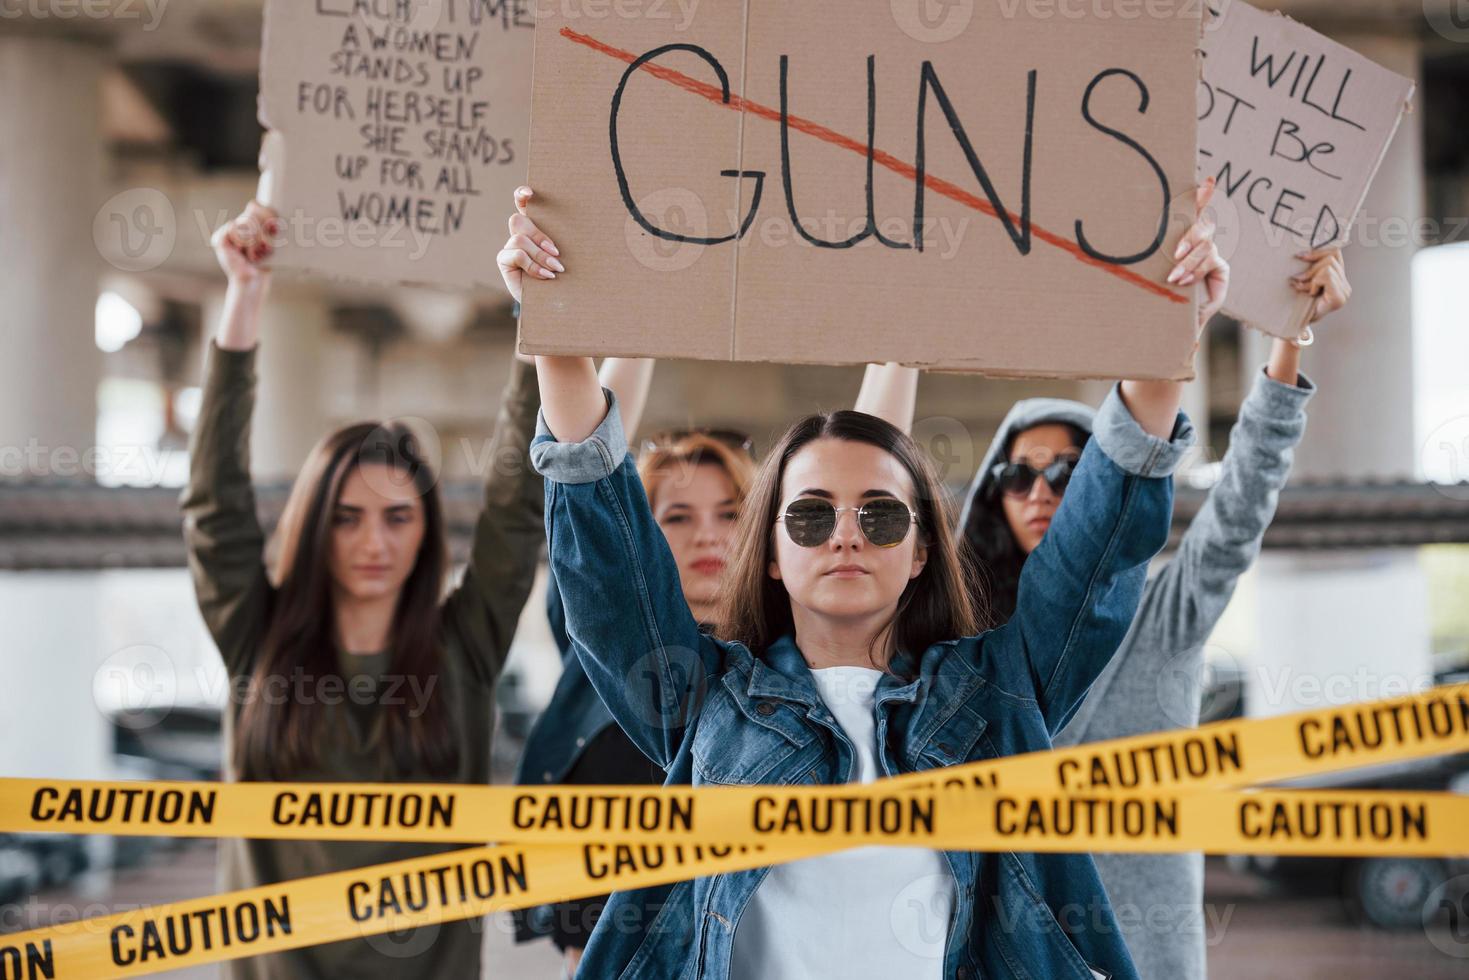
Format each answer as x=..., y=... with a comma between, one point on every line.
x=128, y=133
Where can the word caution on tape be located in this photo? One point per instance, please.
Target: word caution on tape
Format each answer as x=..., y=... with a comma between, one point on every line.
x=1168, y=791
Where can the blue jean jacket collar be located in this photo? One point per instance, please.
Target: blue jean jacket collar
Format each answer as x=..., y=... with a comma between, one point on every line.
x=782, y=675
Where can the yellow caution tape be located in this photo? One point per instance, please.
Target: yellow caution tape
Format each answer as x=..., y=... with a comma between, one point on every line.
x=1220, y=755
x=476, y=881
x=1154, y=793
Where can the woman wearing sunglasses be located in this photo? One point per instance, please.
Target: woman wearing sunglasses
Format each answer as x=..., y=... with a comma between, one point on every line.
x=849, y=647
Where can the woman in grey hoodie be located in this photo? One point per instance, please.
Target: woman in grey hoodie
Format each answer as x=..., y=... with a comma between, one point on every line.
x=1153, y=681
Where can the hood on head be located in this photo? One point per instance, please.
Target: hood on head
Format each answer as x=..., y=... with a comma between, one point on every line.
x=1022, y=415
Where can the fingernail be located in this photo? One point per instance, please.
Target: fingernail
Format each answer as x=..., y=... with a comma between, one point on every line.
x=1181, y=249
x=547, y=274
x=1173, y=276
x=551, y=247
x=556, y=264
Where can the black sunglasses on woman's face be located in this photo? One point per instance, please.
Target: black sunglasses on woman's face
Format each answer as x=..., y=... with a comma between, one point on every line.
x=1017, y=478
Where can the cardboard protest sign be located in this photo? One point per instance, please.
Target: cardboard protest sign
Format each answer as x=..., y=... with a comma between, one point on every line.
x=1293, y=126
x=844, y=181
x=397, y=132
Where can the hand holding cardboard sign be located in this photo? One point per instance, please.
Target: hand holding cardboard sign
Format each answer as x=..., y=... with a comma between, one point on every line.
x=571, y=392
x=1198, y=257
x=528, y=248
x=1326, y=279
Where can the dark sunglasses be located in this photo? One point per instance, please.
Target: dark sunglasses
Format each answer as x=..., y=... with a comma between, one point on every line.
x=811, y=521
x=1016, y=479
x=732, y=438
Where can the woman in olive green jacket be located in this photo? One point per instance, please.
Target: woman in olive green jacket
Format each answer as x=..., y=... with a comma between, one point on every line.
x=346, y=659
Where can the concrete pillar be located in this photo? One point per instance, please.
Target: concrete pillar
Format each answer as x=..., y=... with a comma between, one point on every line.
x=50, y=192
x=1338, y=627
x=290, y=406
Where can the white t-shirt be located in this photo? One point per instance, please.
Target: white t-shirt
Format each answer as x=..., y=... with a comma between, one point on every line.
x=867, y=912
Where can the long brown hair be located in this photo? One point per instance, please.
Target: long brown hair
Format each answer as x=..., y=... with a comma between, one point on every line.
x=938, y=604
x=275, y=740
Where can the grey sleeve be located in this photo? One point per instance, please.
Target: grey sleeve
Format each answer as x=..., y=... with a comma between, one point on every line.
x=1153, y=681
x=1188, y=596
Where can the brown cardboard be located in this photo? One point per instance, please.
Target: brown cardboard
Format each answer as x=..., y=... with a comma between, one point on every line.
x=370, y=182
x=969, y=300
x=1294, y=126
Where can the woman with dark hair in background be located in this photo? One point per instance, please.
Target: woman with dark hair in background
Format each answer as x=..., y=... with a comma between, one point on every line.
x=352, y=663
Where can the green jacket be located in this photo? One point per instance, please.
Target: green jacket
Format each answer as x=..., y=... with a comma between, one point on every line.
x=226, y=558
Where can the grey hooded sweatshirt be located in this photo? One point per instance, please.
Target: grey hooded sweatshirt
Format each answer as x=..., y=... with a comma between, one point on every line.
x=1153, y=682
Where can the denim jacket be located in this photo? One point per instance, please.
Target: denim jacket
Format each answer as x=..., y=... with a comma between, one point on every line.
x=574, y=716
x=714, y=712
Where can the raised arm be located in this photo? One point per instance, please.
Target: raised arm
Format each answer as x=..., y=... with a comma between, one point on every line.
x=1080, y=588
x=485, y=607
x=222, y=534
x=626, y=615
x=571, y=394
x=1155, y=403
x=1186, y=598
x=890, y=392
x=629, y=378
